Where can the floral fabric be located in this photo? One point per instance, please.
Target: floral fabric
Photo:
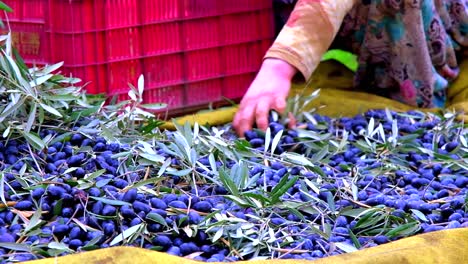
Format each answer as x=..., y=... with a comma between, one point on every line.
x=407, y=49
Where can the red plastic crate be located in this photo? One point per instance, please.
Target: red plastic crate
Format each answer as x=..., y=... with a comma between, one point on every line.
x=160, y=10
x=191, y=52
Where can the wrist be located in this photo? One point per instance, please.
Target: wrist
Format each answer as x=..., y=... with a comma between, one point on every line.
x=279, y=67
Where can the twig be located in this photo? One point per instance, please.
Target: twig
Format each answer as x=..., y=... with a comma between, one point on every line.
x=147, y=173
x=289, y=251
x=8, y=204
x=358, y=203
x=229, y=246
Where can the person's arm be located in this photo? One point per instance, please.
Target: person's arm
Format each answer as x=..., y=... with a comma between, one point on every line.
x=310, y=30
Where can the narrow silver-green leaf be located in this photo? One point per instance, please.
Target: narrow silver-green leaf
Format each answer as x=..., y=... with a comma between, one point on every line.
x=275, y=141
x=154, y=106
x=126, y=234
x=110, y=202
x=419, y=215
x=31, y=118
x=164, y=167
x=267, y=139
x=370, y=127
x=347, y=248
x=157, y=218
x=40, y=80
x=16, y=246
x=51, y=110
x=34, y=141
x=153, y=157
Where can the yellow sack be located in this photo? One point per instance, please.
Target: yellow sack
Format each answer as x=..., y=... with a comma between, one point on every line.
x=448, y=247
x=336, y=98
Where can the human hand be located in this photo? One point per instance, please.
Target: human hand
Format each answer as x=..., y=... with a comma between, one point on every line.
x=268, y=91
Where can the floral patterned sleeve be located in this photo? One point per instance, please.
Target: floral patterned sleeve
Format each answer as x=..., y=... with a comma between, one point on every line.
x=310, y=30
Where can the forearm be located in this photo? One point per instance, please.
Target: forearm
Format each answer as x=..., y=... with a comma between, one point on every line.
x=278, y=67
x=309, y=32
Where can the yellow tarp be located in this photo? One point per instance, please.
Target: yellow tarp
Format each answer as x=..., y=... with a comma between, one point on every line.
x=337, y=99
x=448, y=246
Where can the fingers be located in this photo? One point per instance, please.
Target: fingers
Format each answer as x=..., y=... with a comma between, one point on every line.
x=280, y=105
x=244, y=119
x=256, y=111
x=261, y=113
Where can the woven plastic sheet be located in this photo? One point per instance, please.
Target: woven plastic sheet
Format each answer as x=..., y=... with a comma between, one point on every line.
x=448, y=246
x=337, y=99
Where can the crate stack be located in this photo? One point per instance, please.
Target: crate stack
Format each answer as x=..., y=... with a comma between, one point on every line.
x=191, y=52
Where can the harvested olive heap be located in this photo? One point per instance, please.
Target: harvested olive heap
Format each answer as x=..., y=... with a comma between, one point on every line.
x=329, y=187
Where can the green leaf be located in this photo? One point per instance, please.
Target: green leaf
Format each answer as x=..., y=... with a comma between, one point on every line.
x=419, y=215
x=126, y=154
x=16, y=246
x=348, y=59
x=331, y=202
x=212, y=161
x=282, y=187
x=126, y=234
x=5, y=7
x=62, y=137
x=57, y=210
x=110, y=202
x=141, y=85
x=35, y=220
x=154, y=106
x=404, y=230
x=92, y=242
x=34, y=141
x=94, y=175
x=318, y=157
x=352, y=212
x=353, y=237
x=228, y=182
x=84, y=113
x=153, y=157
x=40, y=80
x=312, y=186
x=151, y=125
x=347, y=248
x=50, y=110
x=242, y=145
x=103, y=182
x=296, y=212
x=217, y=235
x=11, y=108
x=370, y=127
x=241, y=202
x=64, y=97
x=31, y=118
x=157, y=218
x=364, y=217
x=275, y=141
x=7, y=131
x=41, y=115
x=267, y=139
x=297, y=159
x=180, y=173
x=2, y=188
x=261, y=198
x=59, y=246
